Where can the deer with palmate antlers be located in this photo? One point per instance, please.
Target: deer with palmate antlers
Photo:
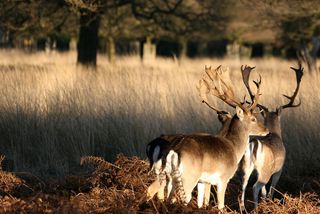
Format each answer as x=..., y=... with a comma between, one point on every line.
x=266, y=154
x=213, y=159
x=155, y=149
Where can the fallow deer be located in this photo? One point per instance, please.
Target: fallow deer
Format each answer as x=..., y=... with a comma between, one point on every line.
x=162, y=186
x=213, y=159
x=155, y=150
x=266, y=154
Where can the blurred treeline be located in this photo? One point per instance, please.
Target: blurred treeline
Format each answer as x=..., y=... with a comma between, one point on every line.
x=179, y=28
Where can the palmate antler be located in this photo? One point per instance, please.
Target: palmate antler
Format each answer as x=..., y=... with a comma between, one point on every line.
x=215, y=82
x=204, y=89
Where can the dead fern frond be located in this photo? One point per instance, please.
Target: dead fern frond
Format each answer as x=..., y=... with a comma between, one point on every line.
x=102, y=168
x=305, y=203
x=99, y=162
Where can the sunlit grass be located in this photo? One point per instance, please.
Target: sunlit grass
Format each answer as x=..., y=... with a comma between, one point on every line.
x=53, y=112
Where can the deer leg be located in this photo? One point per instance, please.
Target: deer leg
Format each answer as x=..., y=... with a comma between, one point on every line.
x=247, y=169
x=183, y=183
x=173, y=174
x=256, y=190
x=204, y=190
x=169, y=186
x=188, y=185
x=207, y=194
x=201, y=193
x=162, y=180
x=221, y=190
x=246, y=177
x=263, y=192
x=171, y=197
x=153, y=189
x=156, y=185
x=275, y=179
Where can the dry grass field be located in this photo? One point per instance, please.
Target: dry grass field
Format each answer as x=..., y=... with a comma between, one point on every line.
x=52, y=113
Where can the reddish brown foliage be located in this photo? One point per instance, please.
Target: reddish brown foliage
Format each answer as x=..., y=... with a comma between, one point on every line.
x=306, y=203
x=121, y=188
x=8, y=181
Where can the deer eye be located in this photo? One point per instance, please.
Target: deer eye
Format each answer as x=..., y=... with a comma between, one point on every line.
x=253, y=119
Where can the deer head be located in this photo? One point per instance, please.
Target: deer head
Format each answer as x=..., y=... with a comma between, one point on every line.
x=216, y=82
x=272, y=118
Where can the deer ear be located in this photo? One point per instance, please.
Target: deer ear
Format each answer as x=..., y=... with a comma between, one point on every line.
x=240, y=113
x=223, y=118
x=263, y=113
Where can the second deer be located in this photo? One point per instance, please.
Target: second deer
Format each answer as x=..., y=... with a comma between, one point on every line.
x=266, y=154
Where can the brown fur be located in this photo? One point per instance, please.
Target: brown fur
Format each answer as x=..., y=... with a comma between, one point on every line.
x=216, y=154
x=157, y=187
x=267, y=159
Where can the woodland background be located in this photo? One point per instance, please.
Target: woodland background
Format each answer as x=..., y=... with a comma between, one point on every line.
x=98, y=78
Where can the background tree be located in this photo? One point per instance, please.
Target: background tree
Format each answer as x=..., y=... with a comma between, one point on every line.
x=297, y=23
x=288, y=25
x=34, y=18
x=90, y=12
x=120, y=24
x=184, y=20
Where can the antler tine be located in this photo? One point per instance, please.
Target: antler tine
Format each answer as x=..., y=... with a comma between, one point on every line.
x=244, y=100
x=219, y=87
x=214, y=108
x=246, y=71
x=263, y=108
x=299, y=74
x=225, y=90
x=256, y=97
x=204, y=89
x=245, y=77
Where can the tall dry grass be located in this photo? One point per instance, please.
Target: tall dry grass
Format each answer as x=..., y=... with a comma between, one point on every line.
x=53, y=112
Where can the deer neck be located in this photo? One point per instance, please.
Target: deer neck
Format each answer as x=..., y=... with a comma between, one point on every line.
x=274, y=126
x=224, y=129
x=238, y=135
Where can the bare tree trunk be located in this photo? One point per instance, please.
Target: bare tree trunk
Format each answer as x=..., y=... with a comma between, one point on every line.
x=315, y=50
x=304, y=57
x=183, y=48
x=111, y=51
x=88, y=38
x=309, y=57
x=6, y=38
